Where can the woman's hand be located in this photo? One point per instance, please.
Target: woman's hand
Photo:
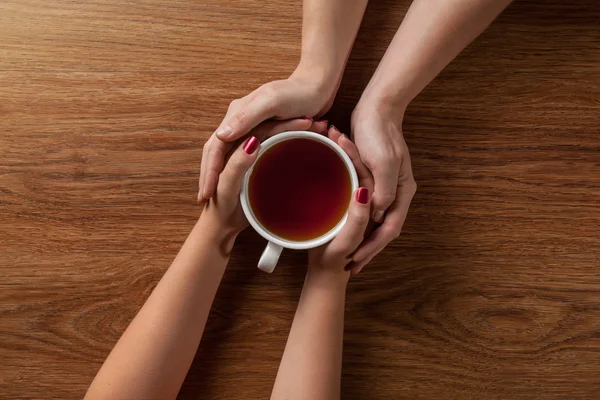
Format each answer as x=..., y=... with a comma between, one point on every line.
x=302, y=95
x=335, y=258
x=224, y=209
x=377, y=131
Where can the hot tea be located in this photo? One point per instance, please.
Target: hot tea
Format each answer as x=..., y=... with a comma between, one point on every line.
x=299, y=189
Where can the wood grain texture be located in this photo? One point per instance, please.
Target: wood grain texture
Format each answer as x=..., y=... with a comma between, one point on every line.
x=492, y=291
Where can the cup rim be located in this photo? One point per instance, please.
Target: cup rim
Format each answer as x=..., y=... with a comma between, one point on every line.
x=245, y=202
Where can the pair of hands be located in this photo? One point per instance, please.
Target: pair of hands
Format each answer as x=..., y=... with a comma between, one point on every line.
x=377, y=132
x=334, y=257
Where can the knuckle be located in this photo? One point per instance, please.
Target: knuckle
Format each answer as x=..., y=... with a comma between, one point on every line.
x=234, y=104
x=240, y=116
x=212, y=151
x=390, y=160
x=235, y=165
x=412, y=186
x=360, y=218
x=207, y=144
x=403, y=153
x=267, y=90
x=390, y=157
x=271, y=102
x=384, y=198
x=392, y=233
x=271, y=94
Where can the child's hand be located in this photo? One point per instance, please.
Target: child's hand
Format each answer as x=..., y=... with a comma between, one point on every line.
x=334, y=257
x=224, y=209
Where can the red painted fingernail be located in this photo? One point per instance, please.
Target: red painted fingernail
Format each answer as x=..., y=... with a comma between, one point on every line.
x=362, y=195
x=307, y=118
x=251, y=145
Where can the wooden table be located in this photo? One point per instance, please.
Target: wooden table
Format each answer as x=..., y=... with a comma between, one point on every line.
x=492, y=291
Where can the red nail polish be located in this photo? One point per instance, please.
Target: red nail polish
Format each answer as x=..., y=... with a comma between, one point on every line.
x=362, y=195
x=251, y=145
x=307, y=118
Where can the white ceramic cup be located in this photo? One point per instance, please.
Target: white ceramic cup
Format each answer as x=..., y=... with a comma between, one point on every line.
x=276, y=244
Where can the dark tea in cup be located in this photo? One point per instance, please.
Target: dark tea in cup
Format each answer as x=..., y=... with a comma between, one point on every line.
x=299, y=189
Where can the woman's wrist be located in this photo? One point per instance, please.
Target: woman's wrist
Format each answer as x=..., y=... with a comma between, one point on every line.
x=384, y=99
x=322, y=76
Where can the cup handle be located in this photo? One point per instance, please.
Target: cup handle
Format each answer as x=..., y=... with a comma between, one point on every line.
x=270, y=256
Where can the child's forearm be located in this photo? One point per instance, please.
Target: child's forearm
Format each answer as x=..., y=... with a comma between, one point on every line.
x=153, y=356
x=312, y=360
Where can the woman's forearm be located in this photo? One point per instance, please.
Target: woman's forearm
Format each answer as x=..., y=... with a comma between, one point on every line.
x=311, y=365
x=153, y=356
x=329, y=28
x=432, y=34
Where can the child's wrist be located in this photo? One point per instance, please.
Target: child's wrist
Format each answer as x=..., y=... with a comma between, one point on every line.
x=329, y=278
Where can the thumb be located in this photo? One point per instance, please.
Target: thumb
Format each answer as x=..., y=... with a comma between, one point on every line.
x=248, y=116
x=239, y=163
x=386, y=185
x=353, y=232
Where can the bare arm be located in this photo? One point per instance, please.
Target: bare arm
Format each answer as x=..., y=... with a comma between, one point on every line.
x=329, y=28
x=153, y=356
x=432, y=34
x=312, y=361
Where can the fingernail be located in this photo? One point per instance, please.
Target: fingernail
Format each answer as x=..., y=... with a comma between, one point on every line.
x=307, y=118
x=199, y=195
x=323, y=120
x=378, y=216
x=251, y=145
x=224, y=132
x=362, y=195
x=333, y=127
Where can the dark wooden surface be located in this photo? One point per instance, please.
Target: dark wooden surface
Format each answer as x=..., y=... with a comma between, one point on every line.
x=492, y=291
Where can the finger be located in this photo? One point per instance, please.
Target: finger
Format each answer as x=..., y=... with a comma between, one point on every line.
x=203, y=163
x=385, y=176
x=272, y=128
x=364, y=175
x=260, y=105
x=320, y=126
x=215, y=161
x=392, y=225
x=239, y=163
x=351, y=235
x=356, y=267
x=334, y=133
